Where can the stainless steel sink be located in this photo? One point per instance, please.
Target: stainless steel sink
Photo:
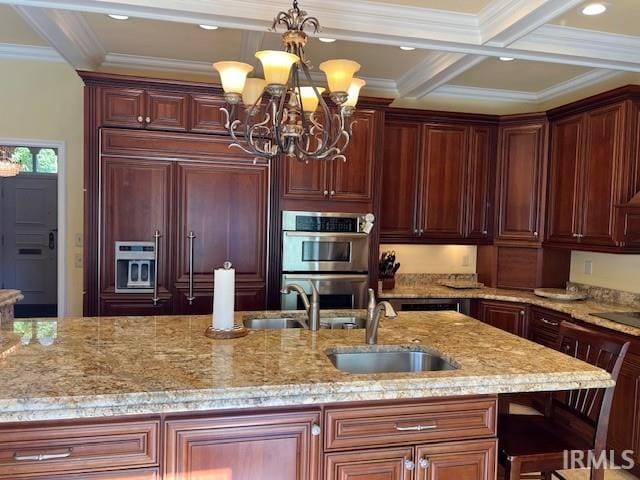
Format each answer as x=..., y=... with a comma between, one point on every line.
x=332, y=323
x=386, y=361
x=271, y=323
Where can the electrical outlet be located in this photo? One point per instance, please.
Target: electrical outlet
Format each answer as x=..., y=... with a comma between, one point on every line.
x=465, y=261
x=78, y=239
x=78, y=260
x=588, y=267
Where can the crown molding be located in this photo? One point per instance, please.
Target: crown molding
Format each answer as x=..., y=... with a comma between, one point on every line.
x=29, y=52
x=587, y=79
x=68, y=33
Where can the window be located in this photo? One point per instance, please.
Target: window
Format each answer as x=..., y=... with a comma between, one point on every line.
x=37, y=159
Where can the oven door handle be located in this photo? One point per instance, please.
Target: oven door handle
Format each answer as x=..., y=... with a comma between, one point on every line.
x=340, y=235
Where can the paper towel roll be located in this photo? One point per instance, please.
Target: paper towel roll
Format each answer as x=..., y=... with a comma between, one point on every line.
x=224, y=297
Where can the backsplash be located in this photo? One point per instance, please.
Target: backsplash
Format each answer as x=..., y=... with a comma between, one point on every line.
x=607, y=295
x=417, y=279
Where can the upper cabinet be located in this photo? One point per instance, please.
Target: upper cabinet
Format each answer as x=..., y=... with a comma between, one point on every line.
x=593, y=160
x=343, y=181
x=522, y=160
x=436, y=182
x=138, y=108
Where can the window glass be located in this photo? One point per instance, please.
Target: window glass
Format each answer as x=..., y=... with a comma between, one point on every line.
x=47, y=161
x=25, y=157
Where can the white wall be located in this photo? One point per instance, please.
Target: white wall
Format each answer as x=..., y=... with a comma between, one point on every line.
x=434, y=258
x=44, y=101
x=619, y=272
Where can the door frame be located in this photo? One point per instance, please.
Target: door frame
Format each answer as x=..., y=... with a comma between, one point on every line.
x=62, y=210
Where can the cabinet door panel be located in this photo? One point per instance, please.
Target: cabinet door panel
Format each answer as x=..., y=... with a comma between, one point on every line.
x=602, y=157
x=136, y=201
x=352, y=180
x=479, y=183
x=167, y=111
x=266, y=447
x=247, y=298
x=521, y=172
x=206, y=116
x=564, y=202
x=510, y=317
x=122, y=107
x=386, y=464
x=457, y=461
x=305, y=181
x=444, y=155
x=400, y=174
x=226, y=208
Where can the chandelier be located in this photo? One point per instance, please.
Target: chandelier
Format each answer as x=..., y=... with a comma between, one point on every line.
x=284, y=112
x=8, y=167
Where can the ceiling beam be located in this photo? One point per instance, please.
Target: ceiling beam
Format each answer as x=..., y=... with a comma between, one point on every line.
x=68, y=33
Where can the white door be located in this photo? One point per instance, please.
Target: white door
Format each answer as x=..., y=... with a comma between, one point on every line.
x=28, y=224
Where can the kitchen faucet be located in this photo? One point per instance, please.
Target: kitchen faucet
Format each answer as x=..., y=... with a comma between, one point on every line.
x=312, y=307
x=373, y=316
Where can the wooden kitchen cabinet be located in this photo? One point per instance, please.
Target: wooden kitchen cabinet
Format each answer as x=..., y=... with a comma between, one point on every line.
x=139, y=108
x=437, y=182
x=471, y=460
x=507, y=316
x=522, y=163
x=279, y=446
x=350, y=181
x=544, y=326
x=383, y=464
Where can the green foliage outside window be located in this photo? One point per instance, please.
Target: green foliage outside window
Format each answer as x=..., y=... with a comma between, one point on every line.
x=25, y=157
x=46, y=159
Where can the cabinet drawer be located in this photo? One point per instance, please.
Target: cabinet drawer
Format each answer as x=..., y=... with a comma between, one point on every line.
x=73, y=448
x=409, y=423
x=141, y=474
x=544, y=326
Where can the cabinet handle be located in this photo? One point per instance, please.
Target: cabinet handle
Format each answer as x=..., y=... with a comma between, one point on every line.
x=485, y=232
x=326, y=193
x=522, y=312
x=148, y=119
x=421, y=231
x=415, y=428
x=140, y=119
x=424, y=463
x=156, y=249
x=409, y=465
x=333, y=192
x=42, y=456
x=191, y=237
x=535, y=234
x=549, y=322
x=315, y=430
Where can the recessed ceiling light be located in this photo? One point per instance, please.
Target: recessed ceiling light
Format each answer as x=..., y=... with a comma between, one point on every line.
x=506, y=59
x=118, y=17
x=407, y=49
x=326, y=39
x=594, y=9
x=209, y=27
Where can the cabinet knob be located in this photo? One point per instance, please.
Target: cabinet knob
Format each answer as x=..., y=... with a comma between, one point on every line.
x=148, y=119
x=421, y=231
x=522, y=312
x=424, y=463
x=315, y=430
x=409, y=465
x=485, y=232
x=333, y=192
x=415, y=230
x=326, y=192
x=140, y=119
x=535, y=234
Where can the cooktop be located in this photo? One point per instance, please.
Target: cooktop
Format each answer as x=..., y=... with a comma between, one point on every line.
x=627, y=318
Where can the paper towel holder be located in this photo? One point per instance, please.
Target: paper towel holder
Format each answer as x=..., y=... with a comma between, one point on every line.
x=238, y=331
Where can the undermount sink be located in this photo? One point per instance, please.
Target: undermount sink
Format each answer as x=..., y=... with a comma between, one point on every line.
x=388, y=361
x=332, y=323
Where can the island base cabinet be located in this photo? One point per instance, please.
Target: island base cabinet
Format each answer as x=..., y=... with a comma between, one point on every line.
x=143, y=474
x=282, y=446
x=475, y=460
x=468, y=460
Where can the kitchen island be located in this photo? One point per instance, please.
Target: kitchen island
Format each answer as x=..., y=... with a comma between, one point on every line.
x=154, y=397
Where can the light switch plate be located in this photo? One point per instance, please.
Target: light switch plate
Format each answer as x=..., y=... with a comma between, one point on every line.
x=588, y=267
x=465, y=261
x=78, y=260
x=78, y=239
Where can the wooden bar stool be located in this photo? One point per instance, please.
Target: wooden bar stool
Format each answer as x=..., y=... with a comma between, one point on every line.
x=576, y=420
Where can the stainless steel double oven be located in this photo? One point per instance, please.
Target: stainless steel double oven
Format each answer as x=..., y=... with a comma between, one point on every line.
x=332, y=251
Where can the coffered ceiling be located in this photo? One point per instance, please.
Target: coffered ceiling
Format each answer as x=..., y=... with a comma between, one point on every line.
x=558, y=51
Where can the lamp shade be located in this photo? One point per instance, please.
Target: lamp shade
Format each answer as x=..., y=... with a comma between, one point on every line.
x=339, y=73
x=253, y=89
x=276, y=65
x=354, y=92
x=309, y=98
x=233, y=75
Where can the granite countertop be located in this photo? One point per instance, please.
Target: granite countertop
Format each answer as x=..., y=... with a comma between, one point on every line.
x=579, y=309
x=89, y=367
